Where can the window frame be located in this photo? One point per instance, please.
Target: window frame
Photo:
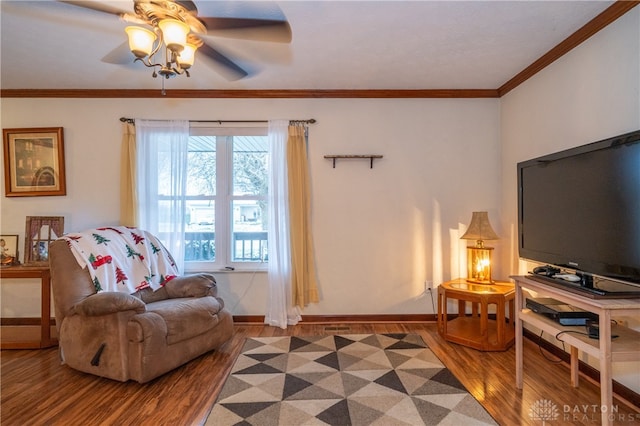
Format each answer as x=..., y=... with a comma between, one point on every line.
x=224, y=197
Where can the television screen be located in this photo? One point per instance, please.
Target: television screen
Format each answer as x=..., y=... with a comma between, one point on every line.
x=580, y=209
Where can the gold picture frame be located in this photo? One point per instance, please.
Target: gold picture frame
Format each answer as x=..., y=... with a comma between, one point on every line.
x=39, y=233
x=34, y=162
x=8, y=250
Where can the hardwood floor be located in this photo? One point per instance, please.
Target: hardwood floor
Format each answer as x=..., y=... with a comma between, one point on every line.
x=36, y=390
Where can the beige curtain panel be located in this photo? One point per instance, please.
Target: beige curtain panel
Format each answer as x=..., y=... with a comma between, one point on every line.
x=128, y=192
x=303, y=271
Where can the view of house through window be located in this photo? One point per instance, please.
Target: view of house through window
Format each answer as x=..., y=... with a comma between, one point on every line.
x=227, y=184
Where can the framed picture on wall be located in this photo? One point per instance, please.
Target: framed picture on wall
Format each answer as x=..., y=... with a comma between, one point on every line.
x=8, y=250
x=34, y=162
x=39, y=233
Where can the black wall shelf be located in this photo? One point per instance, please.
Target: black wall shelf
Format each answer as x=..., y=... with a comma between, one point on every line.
x=371, y=157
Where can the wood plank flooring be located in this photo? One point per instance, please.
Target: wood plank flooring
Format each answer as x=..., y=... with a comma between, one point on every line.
x=36, y=390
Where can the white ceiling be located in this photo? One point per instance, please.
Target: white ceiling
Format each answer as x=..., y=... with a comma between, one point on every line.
x=336, y=45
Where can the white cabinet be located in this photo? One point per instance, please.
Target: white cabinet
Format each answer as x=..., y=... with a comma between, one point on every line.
x=625, y=347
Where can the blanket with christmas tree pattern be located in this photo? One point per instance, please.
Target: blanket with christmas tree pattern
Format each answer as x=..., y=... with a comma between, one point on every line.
x=122, y=259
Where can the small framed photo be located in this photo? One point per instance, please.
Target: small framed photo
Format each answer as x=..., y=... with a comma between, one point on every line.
x=39, y=233
x=34, y=162
x=8, y=250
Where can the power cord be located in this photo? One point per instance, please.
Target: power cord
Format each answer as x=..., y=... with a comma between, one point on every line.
x=264, y=257
x=246, y=290
x=592, y=332
x=554, y=361
x=433, y=303
x=570, y=331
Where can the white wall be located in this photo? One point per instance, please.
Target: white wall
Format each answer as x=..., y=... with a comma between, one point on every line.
x=590, y=94
x=379, y=233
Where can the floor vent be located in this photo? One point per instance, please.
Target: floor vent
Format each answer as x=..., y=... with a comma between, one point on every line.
x=338, y=328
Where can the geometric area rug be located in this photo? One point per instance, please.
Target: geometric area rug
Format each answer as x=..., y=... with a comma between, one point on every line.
x=353, y=379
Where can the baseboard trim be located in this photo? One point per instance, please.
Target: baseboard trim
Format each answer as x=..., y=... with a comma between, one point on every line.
x=333, y=319
x=248, y=319
x=330, y=319
x=30, y=321
x=320, y=319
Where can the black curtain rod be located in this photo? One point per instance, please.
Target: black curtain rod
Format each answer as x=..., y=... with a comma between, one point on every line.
x=309, y=121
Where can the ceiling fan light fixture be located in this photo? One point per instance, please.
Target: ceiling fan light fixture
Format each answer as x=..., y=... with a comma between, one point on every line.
x=140, y=41
x=187, y=56
x=164, y=34
x=174, y=34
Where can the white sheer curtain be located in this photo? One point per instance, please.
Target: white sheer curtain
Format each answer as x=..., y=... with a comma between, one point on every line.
x=280, y=309
x=161, y=166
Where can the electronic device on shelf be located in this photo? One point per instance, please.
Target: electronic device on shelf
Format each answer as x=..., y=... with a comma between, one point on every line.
x=561, y=312
x=578, y=213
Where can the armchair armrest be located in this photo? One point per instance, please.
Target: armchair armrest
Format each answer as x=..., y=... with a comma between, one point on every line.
x=108, y=303
x=196, y=285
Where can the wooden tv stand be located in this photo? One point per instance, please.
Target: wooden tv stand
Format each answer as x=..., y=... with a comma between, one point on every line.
x=626, y=347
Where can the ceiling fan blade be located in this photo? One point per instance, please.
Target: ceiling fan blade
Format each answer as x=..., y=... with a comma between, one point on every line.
x=97, y=6
x=225, y=66
x=249, y=28
x=121, y=55
x=189, y=5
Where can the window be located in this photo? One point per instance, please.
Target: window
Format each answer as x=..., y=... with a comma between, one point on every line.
x=226, y=207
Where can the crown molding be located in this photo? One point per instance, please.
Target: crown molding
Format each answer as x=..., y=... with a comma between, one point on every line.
x=236, y=94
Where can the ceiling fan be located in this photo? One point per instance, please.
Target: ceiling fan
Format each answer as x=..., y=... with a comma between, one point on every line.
x=152, y=12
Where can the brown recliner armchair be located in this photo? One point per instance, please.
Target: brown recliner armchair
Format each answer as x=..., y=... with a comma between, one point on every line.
x=137, y=336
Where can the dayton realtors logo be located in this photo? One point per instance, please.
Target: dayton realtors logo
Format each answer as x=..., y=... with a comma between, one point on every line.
x=546, y=411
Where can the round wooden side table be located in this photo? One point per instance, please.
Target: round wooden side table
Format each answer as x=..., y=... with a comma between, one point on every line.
x=478, y=329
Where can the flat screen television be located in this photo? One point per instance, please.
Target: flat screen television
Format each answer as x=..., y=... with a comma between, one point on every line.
x=579, y=210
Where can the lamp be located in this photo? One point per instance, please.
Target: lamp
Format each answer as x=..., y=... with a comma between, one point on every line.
x=479, y=256
x=171, y=35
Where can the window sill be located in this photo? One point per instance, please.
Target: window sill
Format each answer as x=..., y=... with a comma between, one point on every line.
x=225, y=271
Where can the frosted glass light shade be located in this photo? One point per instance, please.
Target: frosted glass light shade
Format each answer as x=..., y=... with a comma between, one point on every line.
x=174, y=34
x=187, y=56
x=140, y=41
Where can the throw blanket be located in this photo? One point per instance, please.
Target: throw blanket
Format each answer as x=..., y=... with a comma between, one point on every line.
x=122, y=259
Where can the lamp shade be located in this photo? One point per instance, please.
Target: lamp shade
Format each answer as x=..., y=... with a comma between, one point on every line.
x=140, y=41
x=187, y=56
x=480, y=229
x=174, y=34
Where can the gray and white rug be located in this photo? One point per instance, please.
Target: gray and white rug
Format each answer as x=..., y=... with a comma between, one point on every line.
x=356, y=379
